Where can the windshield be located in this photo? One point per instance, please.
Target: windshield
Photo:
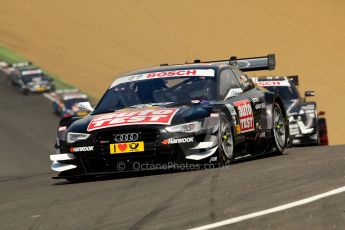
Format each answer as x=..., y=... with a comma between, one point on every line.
x=34, y=78
x=172, y=90
x=71, y=102
x=285, y=92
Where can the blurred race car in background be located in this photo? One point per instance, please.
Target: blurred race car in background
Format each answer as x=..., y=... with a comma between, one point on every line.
x=3, y=64
x=200, y=113
x=302, y=114
x=26, y=78
x=66, y=101
x=6, y=68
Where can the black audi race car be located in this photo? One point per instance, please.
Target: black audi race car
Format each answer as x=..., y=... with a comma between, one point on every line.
x=183, y=114
x=302, y=114
x=27, y=78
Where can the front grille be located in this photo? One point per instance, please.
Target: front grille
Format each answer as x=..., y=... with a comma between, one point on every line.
x=149, y=136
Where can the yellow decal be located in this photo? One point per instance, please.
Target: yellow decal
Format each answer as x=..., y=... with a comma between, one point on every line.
x=128, y=147
x=237, y=128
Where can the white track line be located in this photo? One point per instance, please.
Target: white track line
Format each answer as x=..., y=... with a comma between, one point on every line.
x=49, y=96
x=270, y=210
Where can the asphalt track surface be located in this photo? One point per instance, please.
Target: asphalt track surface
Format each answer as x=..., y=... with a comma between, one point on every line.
x=30, y=199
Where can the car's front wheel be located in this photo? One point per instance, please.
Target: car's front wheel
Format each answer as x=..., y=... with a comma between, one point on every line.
x=225, y=140
x=279, y=130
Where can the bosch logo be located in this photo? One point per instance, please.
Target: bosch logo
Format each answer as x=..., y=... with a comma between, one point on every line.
x=126, y=137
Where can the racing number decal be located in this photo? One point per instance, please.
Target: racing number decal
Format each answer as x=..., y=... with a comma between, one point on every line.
x=245, y=113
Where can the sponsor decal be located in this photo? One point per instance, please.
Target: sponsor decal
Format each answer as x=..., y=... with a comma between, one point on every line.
x=165, y=74
x=127, y=147
x=214, y=115
x=260, y=106
x=255, y=99
x=81, y=149
x=177, y=140
x=306, y=107
x=245, y=114
x=161, y=116
x=272, y=83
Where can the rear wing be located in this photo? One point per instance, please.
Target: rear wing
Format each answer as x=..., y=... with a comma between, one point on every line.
x=254, y=64
x=245, y=64
x=248, y=64
x=293, y=79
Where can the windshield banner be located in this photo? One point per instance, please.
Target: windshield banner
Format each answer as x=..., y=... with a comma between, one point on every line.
x=30, y=72
x=161, y=116
x=272, y=83
x=165, y=74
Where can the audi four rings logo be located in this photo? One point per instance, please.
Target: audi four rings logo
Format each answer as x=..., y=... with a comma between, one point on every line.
x=126, y=137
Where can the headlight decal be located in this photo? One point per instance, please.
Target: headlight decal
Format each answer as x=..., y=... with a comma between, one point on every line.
x=73, y=137
x=190, y=127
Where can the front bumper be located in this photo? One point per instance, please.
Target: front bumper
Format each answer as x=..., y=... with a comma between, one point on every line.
x=39, y=88
x=302, y=135
x=160, y=147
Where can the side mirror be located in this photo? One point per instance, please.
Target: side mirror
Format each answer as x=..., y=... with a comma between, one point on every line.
x=85, y=106
x=309, y=93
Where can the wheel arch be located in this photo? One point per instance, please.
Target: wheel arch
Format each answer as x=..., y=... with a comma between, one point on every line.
x=271, y=99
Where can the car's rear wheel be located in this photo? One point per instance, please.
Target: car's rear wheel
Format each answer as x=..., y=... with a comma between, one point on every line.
x=226, y=141
x=279, y=130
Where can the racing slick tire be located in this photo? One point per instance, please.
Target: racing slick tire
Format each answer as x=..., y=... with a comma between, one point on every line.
x=279, y=130
x=225, y=150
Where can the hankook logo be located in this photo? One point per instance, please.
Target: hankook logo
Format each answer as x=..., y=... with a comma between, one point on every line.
x=81, y=149
x=126, y=137
x=178, y=140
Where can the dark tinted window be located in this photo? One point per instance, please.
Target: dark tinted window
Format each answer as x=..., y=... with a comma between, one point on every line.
x=172, y=90
x=227, y=81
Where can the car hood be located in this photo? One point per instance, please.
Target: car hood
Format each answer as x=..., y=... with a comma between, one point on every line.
x=153, y=116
